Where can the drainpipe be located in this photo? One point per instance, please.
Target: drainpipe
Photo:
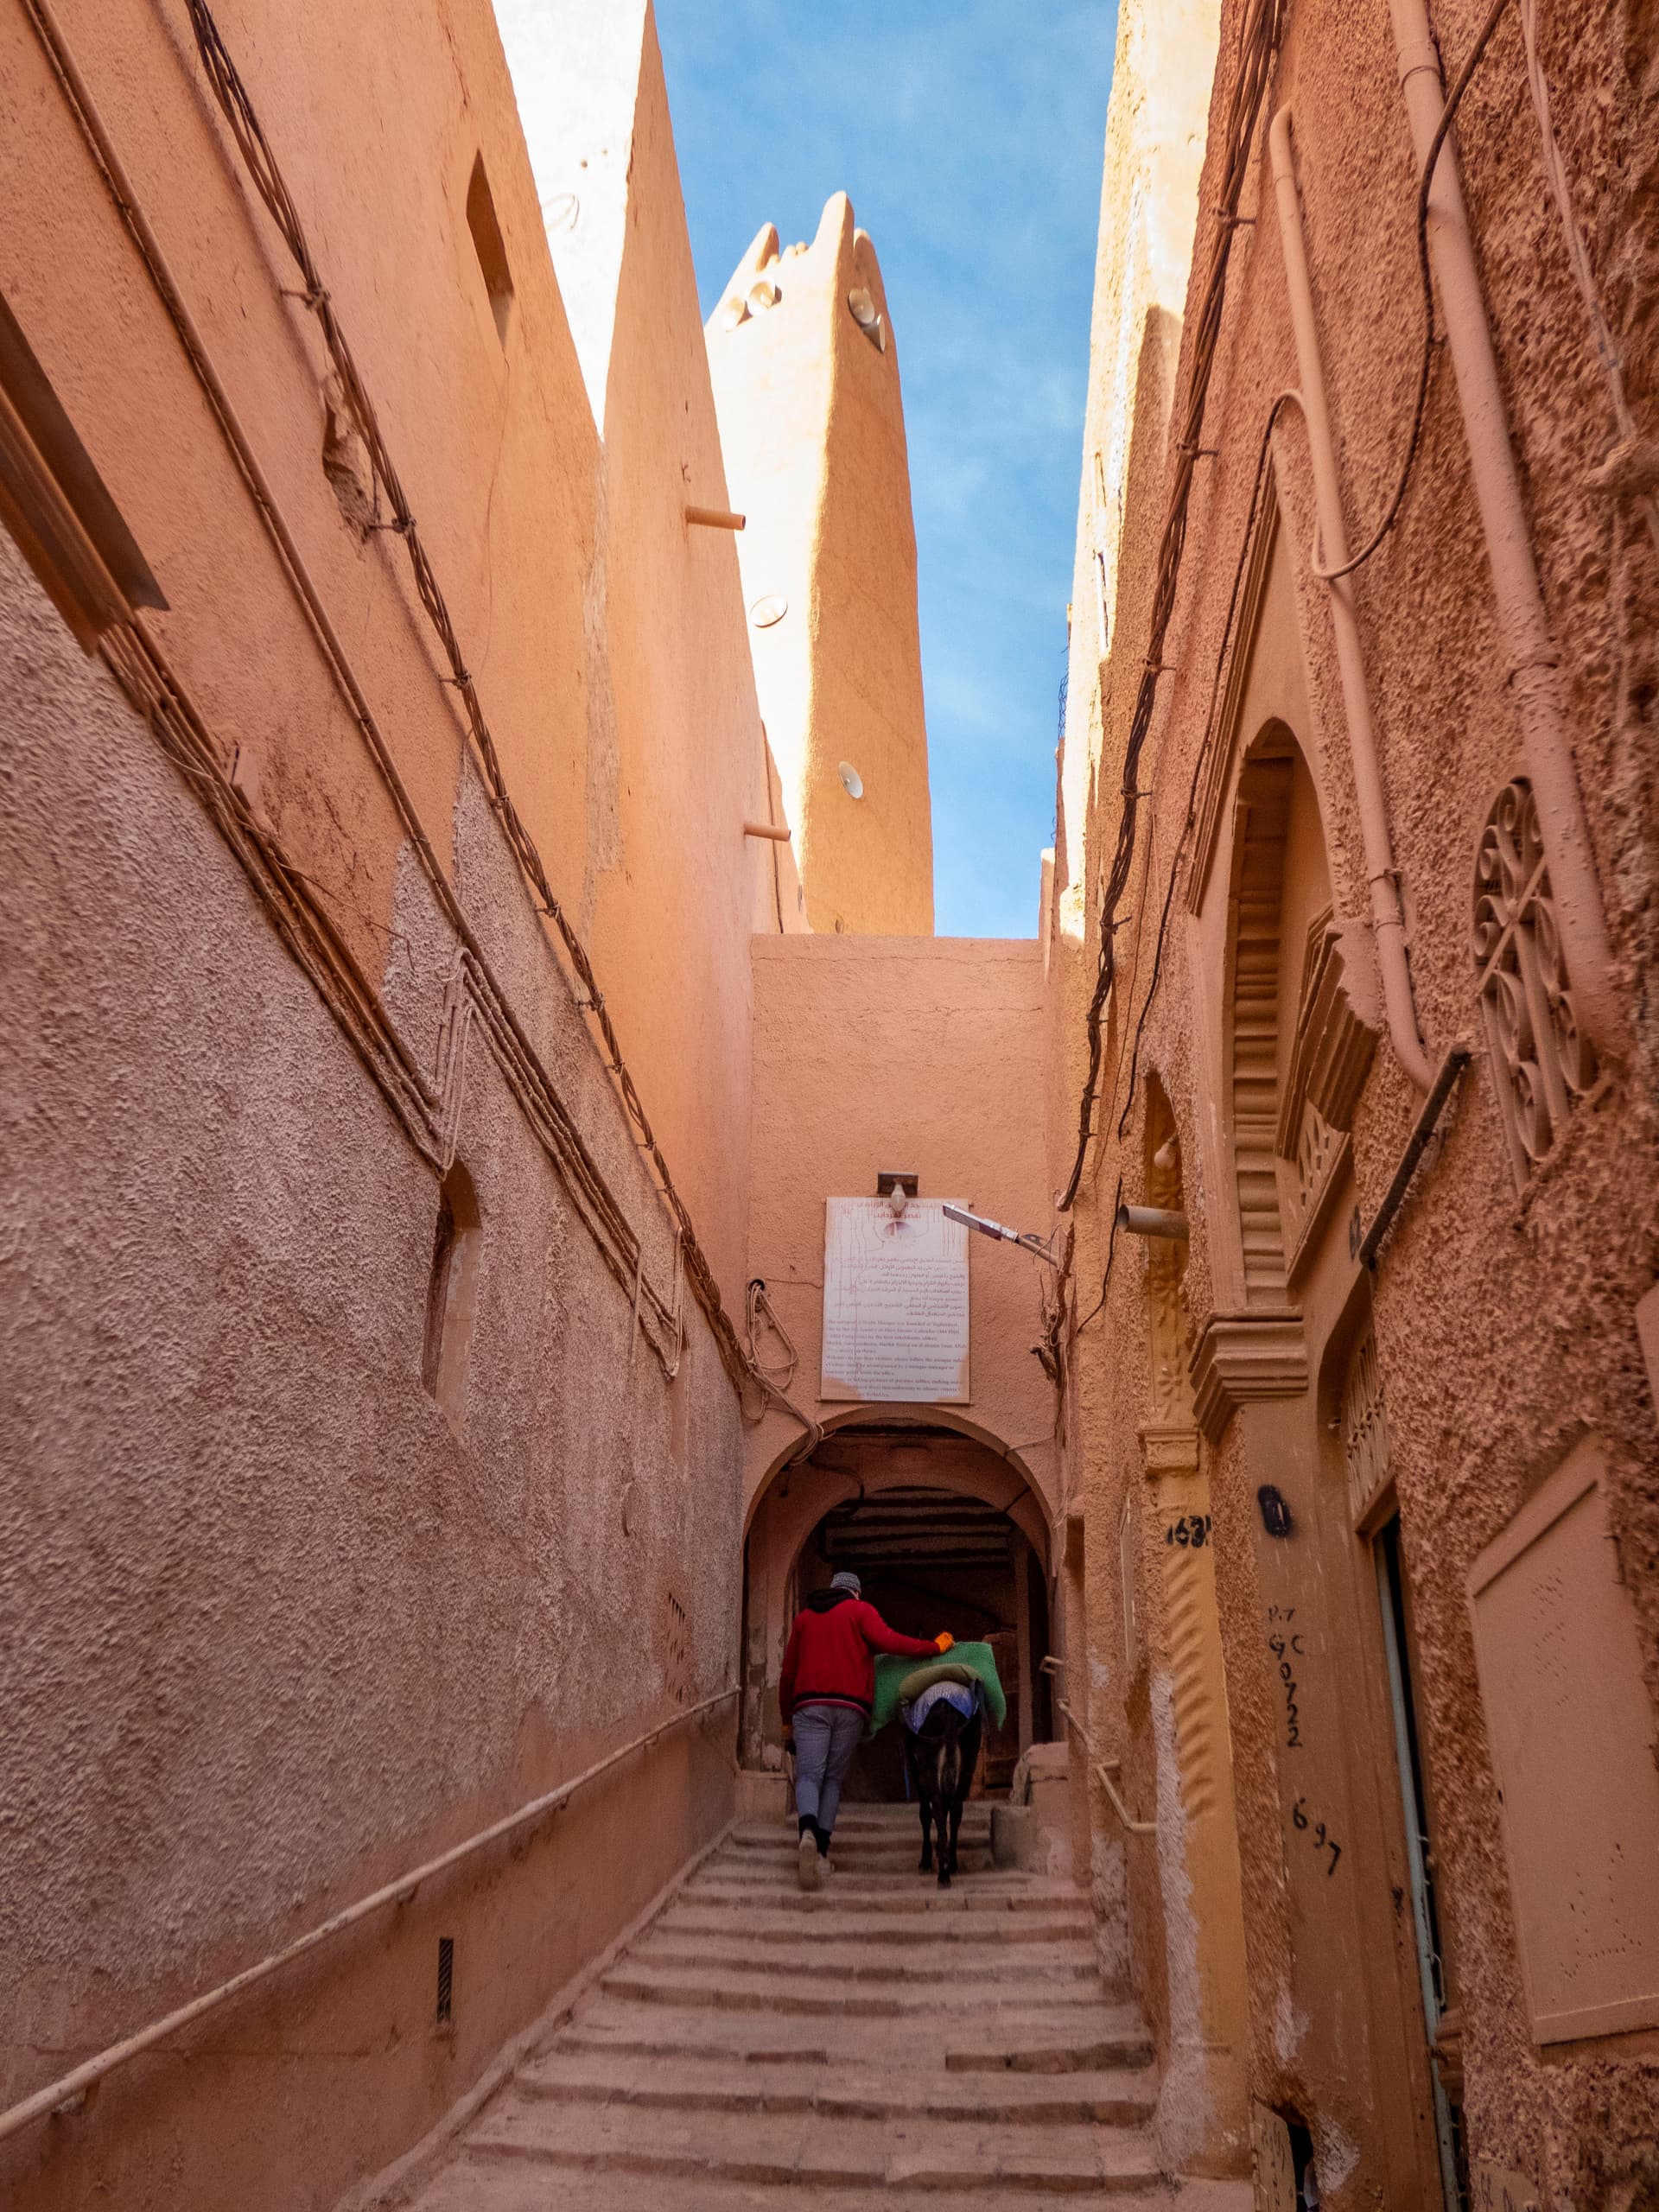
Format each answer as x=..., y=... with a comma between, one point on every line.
x=1534, y=666
x=1388, y=921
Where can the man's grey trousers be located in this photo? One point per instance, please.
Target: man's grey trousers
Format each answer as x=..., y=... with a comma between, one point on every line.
x=826, y=1735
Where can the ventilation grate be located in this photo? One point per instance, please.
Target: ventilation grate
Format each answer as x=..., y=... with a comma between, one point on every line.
x=678, y=1676
x=445, y=1979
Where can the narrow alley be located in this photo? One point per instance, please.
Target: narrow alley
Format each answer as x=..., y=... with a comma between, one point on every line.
x=571, y=1351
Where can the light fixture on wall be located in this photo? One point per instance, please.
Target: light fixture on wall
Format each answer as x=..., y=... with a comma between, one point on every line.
x=898, y=1187
x=851, y=782
x=1024, y=1239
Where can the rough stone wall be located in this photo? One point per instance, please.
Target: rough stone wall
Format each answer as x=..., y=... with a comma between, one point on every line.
x=277, y=1627
x=1141, y=1679
x=1504, y=1324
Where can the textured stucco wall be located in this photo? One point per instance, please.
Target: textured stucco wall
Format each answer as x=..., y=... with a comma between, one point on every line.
x=1504, y=1328
x=276, y=1627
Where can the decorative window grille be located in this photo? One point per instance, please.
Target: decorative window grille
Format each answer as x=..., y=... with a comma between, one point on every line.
x=1364, y=1428
x=1540, y=1063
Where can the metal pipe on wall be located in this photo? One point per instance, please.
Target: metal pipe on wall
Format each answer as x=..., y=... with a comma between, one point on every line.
x=1388, y=918
x=1153, y=1221
x=1534, y=664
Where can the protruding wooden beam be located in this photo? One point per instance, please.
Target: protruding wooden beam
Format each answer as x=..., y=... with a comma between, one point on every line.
x=714, y=518
x=767, y=829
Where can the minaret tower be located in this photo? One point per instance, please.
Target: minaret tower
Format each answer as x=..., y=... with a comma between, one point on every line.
x=811, y=422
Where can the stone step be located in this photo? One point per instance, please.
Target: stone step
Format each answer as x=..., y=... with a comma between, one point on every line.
x=1117, y=2098
x=991, y=1887
x=816, y=1950
x=892, y=1813
x=868, y=1842
x=509, y=2186
x=798, y=2151
x=855, y=1836
x=1101, y=2038
x=910, y=1906
x=973, y=1856
x=868, y=1819
x=833, y=1931
x=645, y=1983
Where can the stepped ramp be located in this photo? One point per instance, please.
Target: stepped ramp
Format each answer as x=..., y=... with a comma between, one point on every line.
x=881, y=2042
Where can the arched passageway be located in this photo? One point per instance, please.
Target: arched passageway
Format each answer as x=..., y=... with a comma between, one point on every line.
x=944, y=1532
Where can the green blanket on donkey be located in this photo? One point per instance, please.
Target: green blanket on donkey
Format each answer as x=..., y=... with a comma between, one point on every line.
x=978, y=1659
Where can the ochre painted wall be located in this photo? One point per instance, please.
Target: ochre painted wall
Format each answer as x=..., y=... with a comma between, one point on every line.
x=290, y=1627
x=811, y=417
x=916, y=1054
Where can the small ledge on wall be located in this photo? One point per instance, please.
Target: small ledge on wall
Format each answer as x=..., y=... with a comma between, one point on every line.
x=1243, y=1357
x=1169, y=1448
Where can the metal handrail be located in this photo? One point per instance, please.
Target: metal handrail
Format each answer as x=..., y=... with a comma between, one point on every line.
x=70, y=2087
x=1099, y=1766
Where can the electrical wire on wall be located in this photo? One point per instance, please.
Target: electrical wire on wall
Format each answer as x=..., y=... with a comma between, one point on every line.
x=1258, y=42
x=1390, y=517
x=140, y=665
x=243, y=120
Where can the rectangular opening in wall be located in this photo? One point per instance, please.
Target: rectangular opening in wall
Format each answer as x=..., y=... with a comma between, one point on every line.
x=451, y=1294
x=489, y=247
x=1570, y=1723
x=56, y=504
x=446, y=1981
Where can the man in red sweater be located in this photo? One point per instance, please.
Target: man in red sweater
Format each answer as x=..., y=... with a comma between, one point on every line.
x=826, y=1692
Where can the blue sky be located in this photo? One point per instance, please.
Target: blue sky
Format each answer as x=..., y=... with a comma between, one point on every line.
x=969, y=135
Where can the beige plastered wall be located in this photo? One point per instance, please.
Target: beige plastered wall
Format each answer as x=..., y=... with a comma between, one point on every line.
x=1503, y=1320
x=913, y=1053
x=918, y=1054
x=811, y=420
x=278, y=1626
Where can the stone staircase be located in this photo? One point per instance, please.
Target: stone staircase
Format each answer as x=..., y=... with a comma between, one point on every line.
x=882, y=2041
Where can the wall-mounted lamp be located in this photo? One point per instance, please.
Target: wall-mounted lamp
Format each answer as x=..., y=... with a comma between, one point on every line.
x=898, y=1187
x=1152, y=1221
x=1276, y=1517
x=1025, y=1240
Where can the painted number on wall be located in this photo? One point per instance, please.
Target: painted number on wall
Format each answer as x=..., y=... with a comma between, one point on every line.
x=1192, y=1529
x=1286, y=1645
x=1317, y=1834
x=1500, y=2189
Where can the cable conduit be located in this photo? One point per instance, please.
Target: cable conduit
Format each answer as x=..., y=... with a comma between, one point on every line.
x=1388, y=919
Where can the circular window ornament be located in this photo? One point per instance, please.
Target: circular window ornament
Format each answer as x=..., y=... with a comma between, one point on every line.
x=766, y=611
x=851, y=782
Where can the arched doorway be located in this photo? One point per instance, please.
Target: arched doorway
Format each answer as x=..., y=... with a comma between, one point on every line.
x=944, y=1531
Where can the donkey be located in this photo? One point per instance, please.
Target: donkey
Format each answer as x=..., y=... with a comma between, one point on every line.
x=940, y=1758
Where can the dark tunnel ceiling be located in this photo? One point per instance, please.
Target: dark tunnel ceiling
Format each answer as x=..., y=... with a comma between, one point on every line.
x=916, y=1527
